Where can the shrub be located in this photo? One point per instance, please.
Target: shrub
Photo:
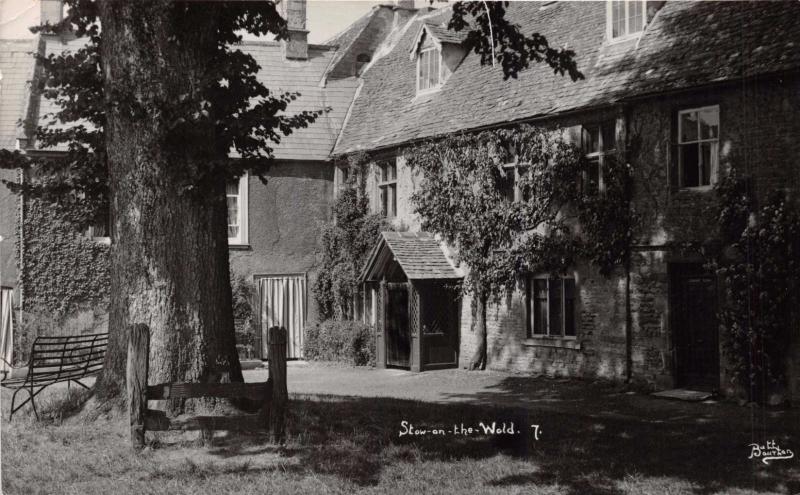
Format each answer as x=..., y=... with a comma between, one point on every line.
x=344, y=341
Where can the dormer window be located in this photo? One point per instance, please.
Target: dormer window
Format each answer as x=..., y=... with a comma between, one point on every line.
x=429, y=69
x=438, y=51
x=625, y=19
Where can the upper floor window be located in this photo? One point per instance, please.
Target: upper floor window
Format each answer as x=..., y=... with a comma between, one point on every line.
x=509, y=185
x=429, y=69
x=597, y=141
x=387, y=186
x=550, y=307
x=698, y=146
x=236, y=192
x=625, y=18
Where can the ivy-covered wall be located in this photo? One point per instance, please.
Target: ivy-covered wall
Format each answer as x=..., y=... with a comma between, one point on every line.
x=63, y=273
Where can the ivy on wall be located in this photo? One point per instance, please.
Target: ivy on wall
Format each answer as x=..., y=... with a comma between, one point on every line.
x=61, y=271
x=346, y=243
x=758, y=264
x=558, y=214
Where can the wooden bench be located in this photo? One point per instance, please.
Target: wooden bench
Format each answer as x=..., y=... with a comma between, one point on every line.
x=69, y=358
x=272, y=394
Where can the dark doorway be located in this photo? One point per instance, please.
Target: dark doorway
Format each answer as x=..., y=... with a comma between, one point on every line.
x=439, y=319
x=398, y=338
x=694, y=327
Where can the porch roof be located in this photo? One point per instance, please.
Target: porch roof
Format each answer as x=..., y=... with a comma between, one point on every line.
x=419, y=254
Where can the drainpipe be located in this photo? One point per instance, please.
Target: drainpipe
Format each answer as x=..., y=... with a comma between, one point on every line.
x=628, y=316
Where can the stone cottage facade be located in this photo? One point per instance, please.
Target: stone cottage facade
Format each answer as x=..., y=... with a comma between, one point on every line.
x=684, y=91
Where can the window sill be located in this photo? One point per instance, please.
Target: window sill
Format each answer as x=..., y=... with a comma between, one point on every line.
x=102, y=240
x=624, y=39
x=560, y=342
x=239, y=247
x=696, y=189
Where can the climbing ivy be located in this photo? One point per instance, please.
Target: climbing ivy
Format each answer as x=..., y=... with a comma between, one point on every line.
x=345, y=243
x=758, y=265
x=62, y=270
x=558, y=218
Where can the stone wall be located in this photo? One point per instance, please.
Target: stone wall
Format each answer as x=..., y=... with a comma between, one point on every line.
x=758, y=136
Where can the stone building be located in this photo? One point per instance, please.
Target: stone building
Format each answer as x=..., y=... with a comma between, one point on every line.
x=683, y=90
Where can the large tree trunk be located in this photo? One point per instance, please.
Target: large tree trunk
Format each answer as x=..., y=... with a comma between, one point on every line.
x=479, y=317
x=169, y=254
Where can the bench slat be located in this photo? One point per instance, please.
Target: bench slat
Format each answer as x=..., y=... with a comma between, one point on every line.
x=256, y=391
x=87, y=336
x=158, y=421
x=61, y=349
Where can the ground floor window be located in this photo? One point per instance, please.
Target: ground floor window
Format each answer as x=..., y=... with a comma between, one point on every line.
x=283, y=303
x=550, y=307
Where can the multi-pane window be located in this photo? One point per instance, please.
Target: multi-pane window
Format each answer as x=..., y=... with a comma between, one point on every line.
x=100, y=230
x=387, y=186
x=509, y=184
x=236, y=193
x=550, y=307
x=597, y=141
x=626, y=18
x=428, y=69
x=698, y=146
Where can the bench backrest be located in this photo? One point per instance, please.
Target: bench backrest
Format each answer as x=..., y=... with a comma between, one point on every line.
x=67, y=357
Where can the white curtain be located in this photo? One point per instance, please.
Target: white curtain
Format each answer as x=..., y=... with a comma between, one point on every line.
x=283, y=304
x=6, y=328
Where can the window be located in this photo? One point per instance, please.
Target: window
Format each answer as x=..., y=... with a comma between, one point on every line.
x=387, y=185
x=550, y=307
x=698, y=146
x=236, y=192
x=626, y=18
x=428, y=69
x=100, y=231
x=597, y=141
x=361, y=61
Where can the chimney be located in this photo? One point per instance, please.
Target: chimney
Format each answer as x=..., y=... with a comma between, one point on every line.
x=51, y=11
x=296, y=46
x=404, y=4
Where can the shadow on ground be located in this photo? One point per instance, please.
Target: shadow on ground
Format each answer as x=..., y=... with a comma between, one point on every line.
x=581, y=450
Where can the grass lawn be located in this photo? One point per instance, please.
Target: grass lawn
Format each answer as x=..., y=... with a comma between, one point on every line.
x=352, y=445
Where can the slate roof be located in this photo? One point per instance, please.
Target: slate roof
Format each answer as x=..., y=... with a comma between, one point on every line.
x=419, y=254
x=445, y=35
x=687, y=44
x=16, y=67
x=281, y=75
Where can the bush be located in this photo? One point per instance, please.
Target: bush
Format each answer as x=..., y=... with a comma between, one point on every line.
x=345, y=341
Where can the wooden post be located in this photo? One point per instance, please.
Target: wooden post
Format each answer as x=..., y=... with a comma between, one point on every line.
x=138, y=356
x=277, y=375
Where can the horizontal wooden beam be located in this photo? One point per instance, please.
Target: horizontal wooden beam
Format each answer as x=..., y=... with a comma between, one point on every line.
x=256, y=391
x=158, y=421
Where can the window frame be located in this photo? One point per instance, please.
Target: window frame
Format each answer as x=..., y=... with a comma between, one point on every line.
x=419, y=78
x=713, y=175
x=388, y=187
x=628, y=35
x=242, y=202
x=530, y=330
x=602, y=153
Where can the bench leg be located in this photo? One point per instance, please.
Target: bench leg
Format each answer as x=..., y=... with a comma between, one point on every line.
x=79, y=383
x=31, y=395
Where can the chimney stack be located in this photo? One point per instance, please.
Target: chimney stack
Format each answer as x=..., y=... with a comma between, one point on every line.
x=51, y=11
x=296, y=46
x=404, y=4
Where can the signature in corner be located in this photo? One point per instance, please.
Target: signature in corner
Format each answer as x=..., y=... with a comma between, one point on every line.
x=769, y=452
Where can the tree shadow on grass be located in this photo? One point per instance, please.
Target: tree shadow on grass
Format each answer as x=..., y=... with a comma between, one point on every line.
x=584, y=451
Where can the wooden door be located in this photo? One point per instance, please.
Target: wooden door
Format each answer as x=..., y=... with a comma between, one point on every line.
x=439, y=321
x=695, y=333
x=398, y=337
